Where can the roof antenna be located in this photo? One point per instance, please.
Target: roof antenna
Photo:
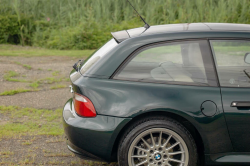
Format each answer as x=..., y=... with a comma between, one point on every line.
x=146, y=24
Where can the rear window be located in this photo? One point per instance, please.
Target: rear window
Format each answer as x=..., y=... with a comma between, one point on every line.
x=97, y=55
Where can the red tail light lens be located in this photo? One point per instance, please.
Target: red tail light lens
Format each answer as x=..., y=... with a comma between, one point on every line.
x=83, y=106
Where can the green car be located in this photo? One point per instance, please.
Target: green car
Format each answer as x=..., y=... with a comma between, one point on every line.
x=171, y=95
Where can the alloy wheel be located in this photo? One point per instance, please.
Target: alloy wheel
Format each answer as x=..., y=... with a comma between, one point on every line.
x=158, y=146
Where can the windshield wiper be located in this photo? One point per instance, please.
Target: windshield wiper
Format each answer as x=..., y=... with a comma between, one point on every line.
x=77, y=65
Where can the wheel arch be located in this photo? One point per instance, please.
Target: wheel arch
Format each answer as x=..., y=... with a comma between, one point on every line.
x=189, y=126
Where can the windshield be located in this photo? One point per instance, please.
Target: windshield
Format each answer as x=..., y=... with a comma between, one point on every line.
x=97, y=55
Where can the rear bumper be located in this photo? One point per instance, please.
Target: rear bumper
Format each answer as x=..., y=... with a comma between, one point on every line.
x=81, y=153
x=91, y=138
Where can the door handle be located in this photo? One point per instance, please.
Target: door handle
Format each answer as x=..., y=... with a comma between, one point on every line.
x=240, y=104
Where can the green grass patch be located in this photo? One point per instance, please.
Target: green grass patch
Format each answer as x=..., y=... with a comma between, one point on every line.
x=24, y=65
x=58, y=86
x=13, y=92
x=30, y=121
x=12, y=50
x=27, y=142
x=6, y=153
x=34, y=85
x=50, y=80
x=27, y=67
x=55, y=73
x=9, y=77
x=10, y=74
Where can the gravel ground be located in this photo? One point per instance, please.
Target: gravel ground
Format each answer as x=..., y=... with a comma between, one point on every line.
x=41, y=68
x=42, y=149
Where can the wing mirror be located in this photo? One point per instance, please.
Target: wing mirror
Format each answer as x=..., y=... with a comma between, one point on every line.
x=247, y=58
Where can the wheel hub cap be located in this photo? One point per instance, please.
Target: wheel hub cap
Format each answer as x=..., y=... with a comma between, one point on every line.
x=157, y=156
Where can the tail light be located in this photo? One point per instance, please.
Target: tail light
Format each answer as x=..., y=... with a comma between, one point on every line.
x=83, y=106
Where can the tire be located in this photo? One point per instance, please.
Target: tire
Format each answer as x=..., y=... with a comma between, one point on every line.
x=172, y=144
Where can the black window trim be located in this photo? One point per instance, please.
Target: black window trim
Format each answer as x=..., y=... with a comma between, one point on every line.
x=213, y=55
x=144, y=47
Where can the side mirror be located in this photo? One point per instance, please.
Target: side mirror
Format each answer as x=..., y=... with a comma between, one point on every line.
x=247, y=58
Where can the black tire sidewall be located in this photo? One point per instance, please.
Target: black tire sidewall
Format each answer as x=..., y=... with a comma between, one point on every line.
x=168, y=124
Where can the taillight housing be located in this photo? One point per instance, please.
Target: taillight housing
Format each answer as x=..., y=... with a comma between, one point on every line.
x=83, y=106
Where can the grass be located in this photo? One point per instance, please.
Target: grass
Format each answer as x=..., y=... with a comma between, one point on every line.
x=55, y=73
x=9, y=77
x=27, y=67
x=55, y=162
x=16, y=91
x=34, y=85
x=58, y=86
x=27, y=143
x=55, y=139
x=12, y=50
x=31, y=122
x=57, y=155
x=26, y=162
x=6, y=153
x=50, y=80
x=24, y=65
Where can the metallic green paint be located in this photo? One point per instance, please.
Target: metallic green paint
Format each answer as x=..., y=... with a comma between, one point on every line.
x=94, y=135
x=117, y=102
x=209, y=108
x=130, y=99
x=238, y=119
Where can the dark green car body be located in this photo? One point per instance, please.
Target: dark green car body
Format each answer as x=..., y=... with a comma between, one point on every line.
x=221, y=131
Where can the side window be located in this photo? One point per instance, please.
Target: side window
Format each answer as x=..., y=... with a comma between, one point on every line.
x=176, y=63
x=232, y=69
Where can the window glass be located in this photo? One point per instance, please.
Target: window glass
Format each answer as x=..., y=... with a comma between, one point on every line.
x=177, y=63
x=232, y=69
x=97, y=55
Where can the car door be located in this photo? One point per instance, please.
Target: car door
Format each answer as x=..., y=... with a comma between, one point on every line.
x=234, y=79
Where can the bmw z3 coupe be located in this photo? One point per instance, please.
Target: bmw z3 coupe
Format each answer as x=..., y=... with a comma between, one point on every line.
x=170, y=95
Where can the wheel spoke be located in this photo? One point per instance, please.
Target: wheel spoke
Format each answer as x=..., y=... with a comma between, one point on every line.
x=175, y=153
x=139, y=156
x=145, y=142
x=143, y=162
x=169, y=164
x=160, y=137
x=145, y=150
x=177, y=161
x=153, y=141
x=171, y=147
x=165, y=144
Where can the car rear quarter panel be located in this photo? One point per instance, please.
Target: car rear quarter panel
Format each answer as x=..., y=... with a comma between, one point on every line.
x=129, y=99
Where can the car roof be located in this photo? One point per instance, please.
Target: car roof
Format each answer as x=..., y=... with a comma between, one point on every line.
x=186, y=27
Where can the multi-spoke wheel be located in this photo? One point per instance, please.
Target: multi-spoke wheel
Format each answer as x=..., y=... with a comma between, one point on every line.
x=157, y=141
x=158, y=146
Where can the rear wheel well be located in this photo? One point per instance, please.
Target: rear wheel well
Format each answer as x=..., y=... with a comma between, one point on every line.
x=194, y=132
